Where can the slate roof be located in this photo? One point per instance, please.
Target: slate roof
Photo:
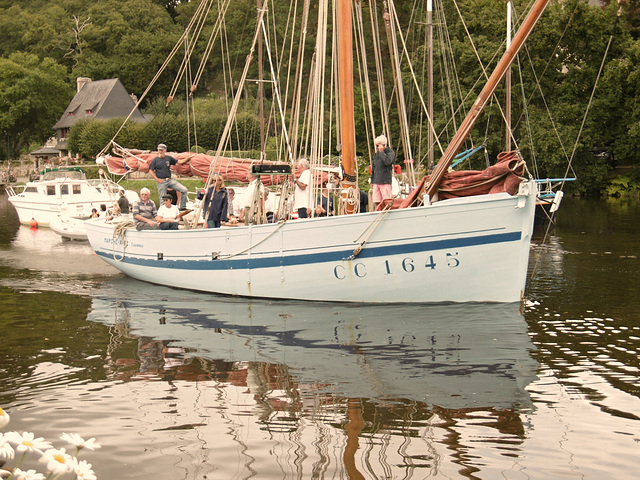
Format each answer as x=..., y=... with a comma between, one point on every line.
x=100, y=99
x=46, y=151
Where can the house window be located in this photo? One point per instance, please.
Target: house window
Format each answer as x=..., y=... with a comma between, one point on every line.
x=51, y=189
x=64, y=189
x=76, y=189
x=71, y=114
x=64, y=133
x=89, y=111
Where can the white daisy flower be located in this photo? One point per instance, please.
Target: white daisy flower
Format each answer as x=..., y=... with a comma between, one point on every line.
x=82, y=469
x=4, y=473
x=4, y=418
x=6, y=450
x=27, y=442
x=79, y=442
x=58, y=461
x=28, y=475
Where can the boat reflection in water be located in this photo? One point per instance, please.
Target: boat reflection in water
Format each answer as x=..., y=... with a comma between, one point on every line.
x=323, y=386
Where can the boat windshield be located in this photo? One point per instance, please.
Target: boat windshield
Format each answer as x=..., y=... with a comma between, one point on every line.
x=68, y=174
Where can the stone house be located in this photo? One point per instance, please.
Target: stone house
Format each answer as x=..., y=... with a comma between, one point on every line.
x=100, y=99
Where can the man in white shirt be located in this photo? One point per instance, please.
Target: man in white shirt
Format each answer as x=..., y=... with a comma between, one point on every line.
x=303, y=190
x=168, y=214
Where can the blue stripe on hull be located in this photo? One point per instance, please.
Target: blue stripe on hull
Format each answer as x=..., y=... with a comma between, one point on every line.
x=369, y=251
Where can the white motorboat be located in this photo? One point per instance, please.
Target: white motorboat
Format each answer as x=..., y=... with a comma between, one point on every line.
x=65, y=191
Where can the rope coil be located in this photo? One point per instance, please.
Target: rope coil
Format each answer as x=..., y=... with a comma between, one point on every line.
x=120, y=233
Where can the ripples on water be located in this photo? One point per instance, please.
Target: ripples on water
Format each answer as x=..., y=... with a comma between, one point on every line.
x=181, y=385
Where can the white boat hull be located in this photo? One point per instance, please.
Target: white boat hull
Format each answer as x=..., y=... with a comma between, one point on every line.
x=473, y=249
x=44, y=212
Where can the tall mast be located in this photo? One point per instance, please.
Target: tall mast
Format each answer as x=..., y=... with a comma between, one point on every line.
x=498, y=74
x=345, y=89
x=508, y=82
x=430, y=81
x=260, y=89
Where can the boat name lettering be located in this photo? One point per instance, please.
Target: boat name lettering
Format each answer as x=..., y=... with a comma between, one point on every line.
x=407, y=264
x=115, y=241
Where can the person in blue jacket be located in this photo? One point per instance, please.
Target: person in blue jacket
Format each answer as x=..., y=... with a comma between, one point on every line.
x=216, y=203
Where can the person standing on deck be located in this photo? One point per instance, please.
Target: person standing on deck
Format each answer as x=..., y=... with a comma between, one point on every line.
x=381, y=171
x=303, y=190
x=216, y=203
x=123, y=203
x=160, y=170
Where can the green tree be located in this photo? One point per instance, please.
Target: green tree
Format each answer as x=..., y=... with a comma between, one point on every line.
x=33, y=93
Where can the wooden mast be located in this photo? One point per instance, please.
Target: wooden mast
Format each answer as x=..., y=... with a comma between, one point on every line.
x=498, y=74
x=430, y=139
x=345, y=90
x=507, y=83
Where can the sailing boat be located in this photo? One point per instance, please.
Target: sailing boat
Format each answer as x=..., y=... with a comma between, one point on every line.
x=427, y=247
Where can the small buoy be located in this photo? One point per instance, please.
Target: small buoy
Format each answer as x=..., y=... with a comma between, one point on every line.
x=33, y=223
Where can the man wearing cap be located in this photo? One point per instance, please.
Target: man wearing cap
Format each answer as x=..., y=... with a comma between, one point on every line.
x=144, y=211
x=160, y=170
x=168, y=214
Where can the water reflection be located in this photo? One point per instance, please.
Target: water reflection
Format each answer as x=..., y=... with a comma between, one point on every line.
x=177, y=384
x=380, y=391
x=183, y=385
x=455, y=356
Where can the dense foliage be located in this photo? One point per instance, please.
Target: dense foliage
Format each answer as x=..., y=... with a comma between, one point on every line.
x=46, y=45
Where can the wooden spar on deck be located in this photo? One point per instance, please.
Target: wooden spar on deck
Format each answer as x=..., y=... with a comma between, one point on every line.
x=345, y=84
x=488, y=90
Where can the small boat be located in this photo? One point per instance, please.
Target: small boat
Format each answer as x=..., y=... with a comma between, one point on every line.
x=65, y=191
x=71, y=228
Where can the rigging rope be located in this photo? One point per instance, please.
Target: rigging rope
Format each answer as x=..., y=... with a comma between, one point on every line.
x=120, y=234
x=584, y=119
x=371, y=228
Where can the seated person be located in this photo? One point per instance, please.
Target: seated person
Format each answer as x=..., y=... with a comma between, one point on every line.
x=145, y=211
x=324, y=203
x=168, y=214
x=268, y=207
x=235, y=208
x=364, y=201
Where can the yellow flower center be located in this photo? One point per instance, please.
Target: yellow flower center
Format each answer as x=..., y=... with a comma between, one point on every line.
x=59, y=458
x=27, y=443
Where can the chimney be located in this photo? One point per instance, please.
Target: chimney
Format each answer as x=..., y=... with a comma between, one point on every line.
x=82, y=81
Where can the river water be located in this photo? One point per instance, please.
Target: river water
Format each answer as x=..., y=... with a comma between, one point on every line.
x=175, y=384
